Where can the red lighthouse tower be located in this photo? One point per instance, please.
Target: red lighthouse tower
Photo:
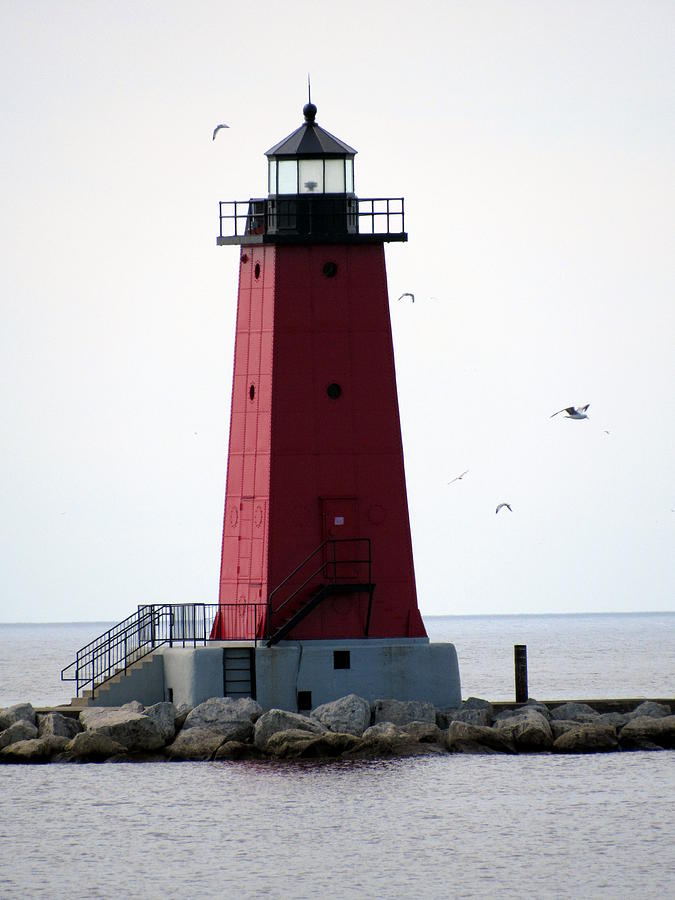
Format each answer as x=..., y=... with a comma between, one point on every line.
x=316, y=535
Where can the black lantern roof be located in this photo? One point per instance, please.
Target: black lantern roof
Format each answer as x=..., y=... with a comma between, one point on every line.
x=311, y=139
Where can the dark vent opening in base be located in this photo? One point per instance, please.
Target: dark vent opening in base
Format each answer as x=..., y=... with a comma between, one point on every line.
x=304, y=701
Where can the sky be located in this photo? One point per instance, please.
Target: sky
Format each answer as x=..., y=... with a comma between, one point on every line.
x=533, y=143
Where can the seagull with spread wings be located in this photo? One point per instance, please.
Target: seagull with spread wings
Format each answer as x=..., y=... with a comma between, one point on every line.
x=217, y=129
x=501, y=506
x=573, y=412
x=458, y=477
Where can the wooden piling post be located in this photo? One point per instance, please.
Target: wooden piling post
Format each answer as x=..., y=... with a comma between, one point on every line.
x=520, y=666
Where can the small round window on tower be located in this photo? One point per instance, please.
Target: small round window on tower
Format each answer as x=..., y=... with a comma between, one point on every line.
x=256, y=270
x=251, y=392
x=334, y=391
x=330, y=269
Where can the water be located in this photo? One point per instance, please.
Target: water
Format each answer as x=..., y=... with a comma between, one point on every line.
x=454, y=826
x=569, y=657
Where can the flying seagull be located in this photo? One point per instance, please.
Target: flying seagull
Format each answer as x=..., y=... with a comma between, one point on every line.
x=217, y=129
x=573, y=412
x=407, y=294
x=501, y=505
x=458, y=477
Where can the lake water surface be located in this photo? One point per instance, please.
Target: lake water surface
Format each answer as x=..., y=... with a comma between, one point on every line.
x=455, y=826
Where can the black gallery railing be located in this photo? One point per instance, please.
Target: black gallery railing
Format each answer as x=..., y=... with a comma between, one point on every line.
x=308, y=214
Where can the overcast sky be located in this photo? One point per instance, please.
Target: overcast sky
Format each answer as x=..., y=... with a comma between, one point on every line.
x=533, y=143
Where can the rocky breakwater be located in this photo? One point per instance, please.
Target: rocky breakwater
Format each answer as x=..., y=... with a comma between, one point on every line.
x=348, y=728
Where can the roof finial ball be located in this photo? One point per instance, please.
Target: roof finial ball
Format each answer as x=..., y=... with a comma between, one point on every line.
x=309, y=110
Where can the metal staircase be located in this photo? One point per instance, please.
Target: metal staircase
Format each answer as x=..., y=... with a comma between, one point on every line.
x=336, y=568
x=120, y=648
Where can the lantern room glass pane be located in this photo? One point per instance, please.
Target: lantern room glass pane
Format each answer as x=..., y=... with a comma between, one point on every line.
x=273, y=176
x=349, y=171
x=311, y=176
x=335, y=176
x=288, y=176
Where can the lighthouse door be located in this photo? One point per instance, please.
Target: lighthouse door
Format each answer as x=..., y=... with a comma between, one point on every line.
x=340, y=523
x=251, y=549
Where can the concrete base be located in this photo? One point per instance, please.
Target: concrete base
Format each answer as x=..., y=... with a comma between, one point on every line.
x=309, y=673
x=297, y=675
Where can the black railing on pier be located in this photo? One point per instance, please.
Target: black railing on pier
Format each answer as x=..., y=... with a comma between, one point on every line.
x=312, y=217
x=337, y=566
x=173, y=625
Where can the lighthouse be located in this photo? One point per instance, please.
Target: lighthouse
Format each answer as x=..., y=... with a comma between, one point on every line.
x=317, y=564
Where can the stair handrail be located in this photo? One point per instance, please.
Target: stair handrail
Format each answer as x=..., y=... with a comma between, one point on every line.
x=136, y=637
x=333, y=579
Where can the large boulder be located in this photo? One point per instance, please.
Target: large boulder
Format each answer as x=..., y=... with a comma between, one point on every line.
x=401, y=712
x=202, y=743
x=640, y=733
x=20, y=712
x=133, y=730
x=275, y=720
x=164, y=716
x=527, y=731
x=219, y=712
x=18, y=731
x=649, y=708
x=575, y=712
x=58, y=725
x=238, y=750
x=387, y=739
x=296, y=743
x=348, y=715
x=35, y=750
x=463, y=737
x=424, y=732
x=92, y=746
x=587, y=738
x=472, y=716
x=561, y=726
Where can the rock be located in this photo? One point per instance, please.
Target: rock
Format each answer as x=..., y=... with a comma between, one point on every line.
x=386, y=740
x=464, y=737
x=299, y=744
x=58, y=725
x=477, y=703
x=164, y=716
x=219, y=712
x=133, y=706
x=540, y=707
x=35, y=750
x=424, y=732
x=645, y=730
x=384, y=730
x=92, y=746
x=561, y=726
x=401, y=712
x=182, y=712
x=519, y=710
x=617, y=719
x=348, y=715
x=20, y=712
x=475, y=716
x=133, y=730
x=528, y=731
x=445, y=715
x=280, y=720
x=21, y=730
x=649, y=708
x=575, y=712
x=200, y=743
x=587, y=738
x=237, y=750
